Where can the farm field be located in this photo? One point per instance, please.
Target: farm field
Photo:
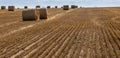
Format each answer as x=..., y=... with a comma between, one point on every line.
x=74, y=33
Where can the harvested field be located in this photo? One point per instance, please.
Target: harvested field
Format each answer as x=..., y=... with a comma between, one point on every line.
x=76, y=33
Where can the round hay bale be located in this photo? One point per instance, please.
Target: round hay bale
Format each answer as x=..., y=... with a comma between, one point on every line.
x=18, y=8
x=74, y=6
x=66, y=7
x=37, y=6
x=56, y=7
x=80, y=6
x=3, y=7
x=25, y=7
x=29, y=15
x=11, y=8
x=48, y=7
x=43, y=13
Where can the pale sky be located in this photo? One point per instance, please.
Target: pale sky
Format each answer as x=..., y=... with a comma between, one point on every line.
x=44, y=3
